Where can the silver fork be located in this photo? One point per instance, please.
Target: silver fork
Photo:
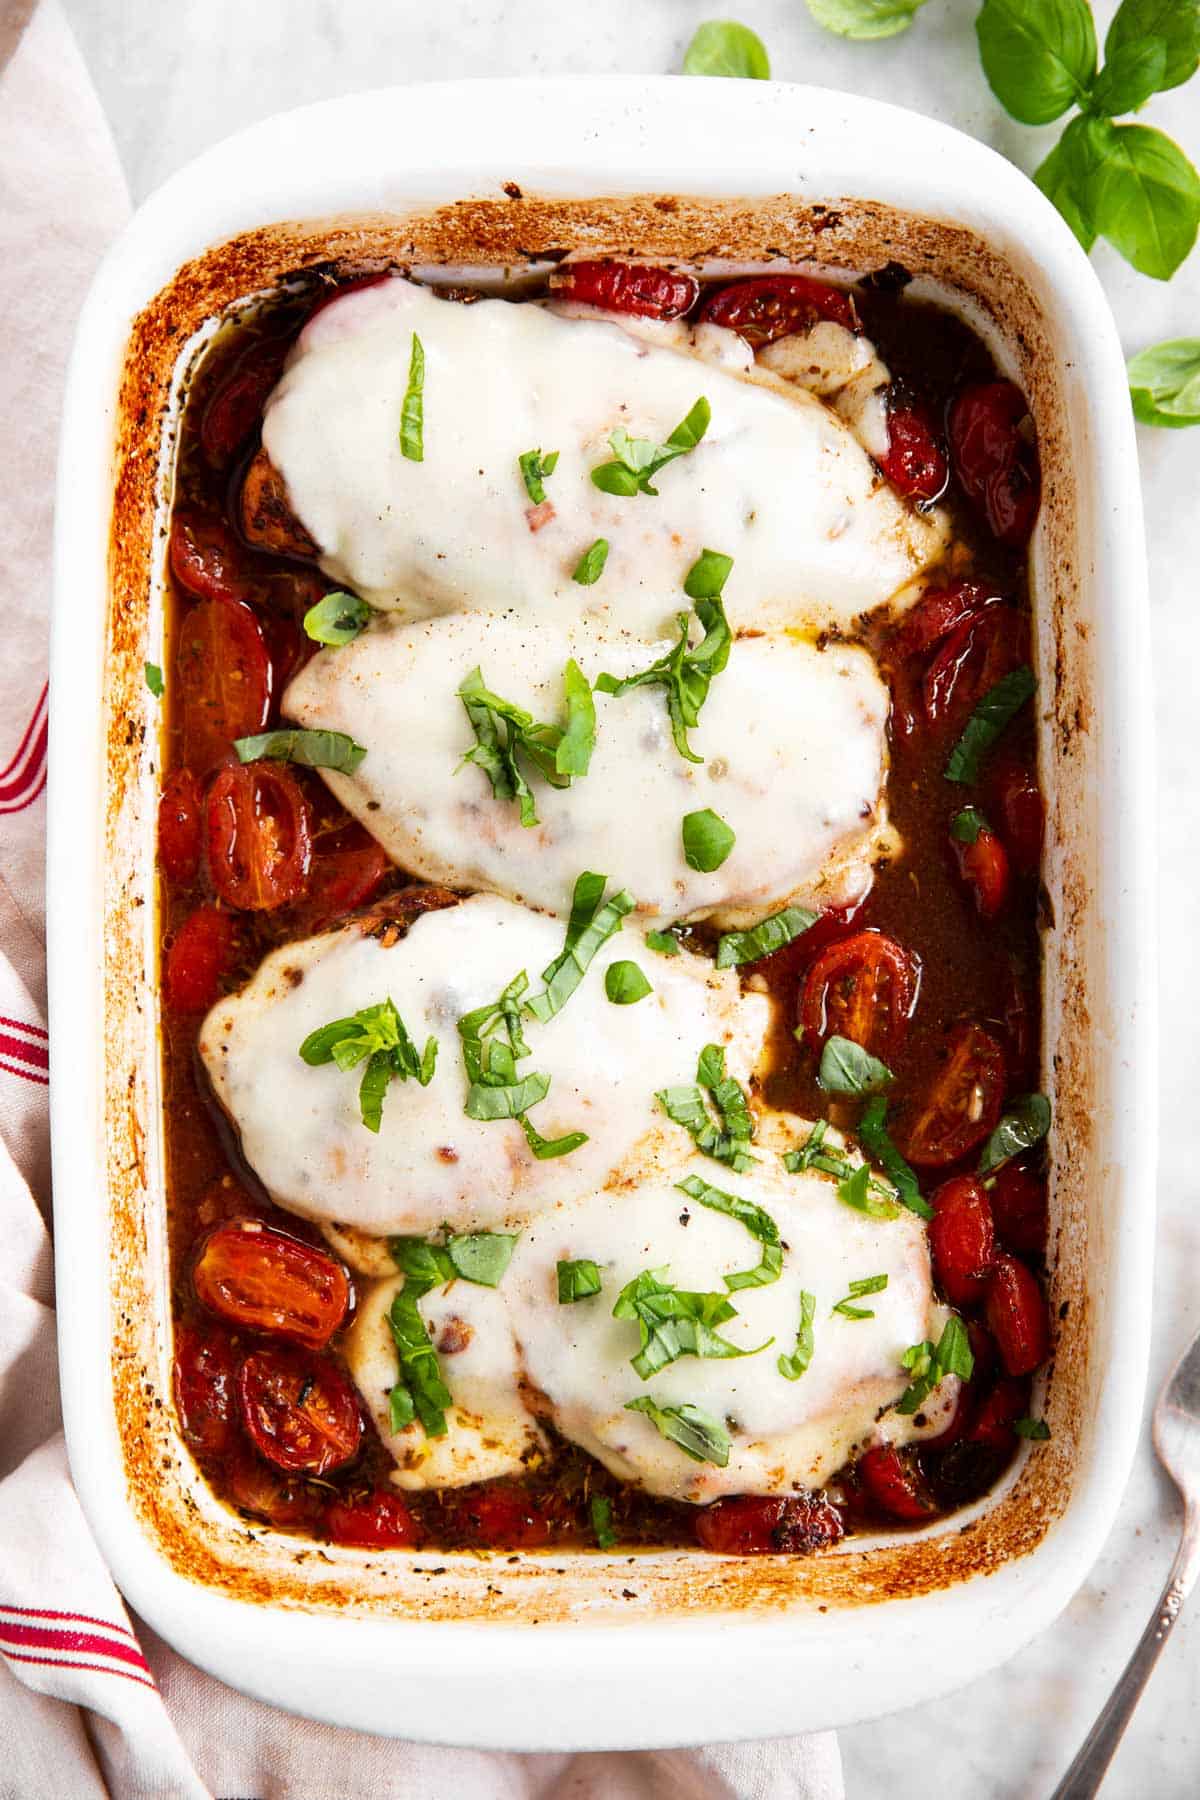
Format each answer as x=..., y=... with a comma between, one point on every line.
x=1177, y=1440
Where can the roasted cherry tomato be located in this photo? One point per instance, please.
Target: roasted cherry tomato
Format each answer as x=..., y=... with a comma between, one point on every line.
x=753, y=1525
x=619, y=287
x=259, y=838
x=983, y=1350
x=1015, y=801
x=223, y=677
x=208, y=560
x=199, y=958
x=268, y=1493
x=205, y=1388
x=1017, y=1316
x=962, y=1240
x=767, y=307
x=983, y=869
x=965, y=1101
x=301, y=1412
x=263, y=1280
x=498, y=1513
x=994, y=1417
x=995, y=457
x=915, y=463
x=379, y=1521
x=938, y=612
x=895, y=1484
x=863, y=988
x=236, y=407
x=179, y=834
x=289, y=649
x=971, y=660
x=348, y=870
x=1019, y=1207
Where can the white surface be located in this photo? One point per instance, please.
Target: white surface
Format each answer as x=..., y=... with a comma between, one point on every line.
x=176, y=79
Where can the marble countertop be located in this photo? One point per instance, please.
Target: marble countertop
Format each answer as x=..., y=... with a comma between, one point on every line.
x=176, y=78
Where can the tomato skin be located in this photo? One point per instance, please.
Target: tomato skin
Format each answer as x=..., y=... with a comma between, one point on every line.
x=895, y=1484
x=199, y=959
x=379, y=1521
x=996, y=464
x=348, y=869
x=204, y=1379
x=1017, y=1316
x=962, y=1239
x=500, y=1516
x=223, y=680
x=938, y=612
x=767, y=307
x=1016, y=803
x=268, y=1493
x=965, y=1102
x=755, y=1525
x=236, y=407
x=300, y=1411
x=971, y=660
x=863, y=988
x=983, y=869
x=915, y=463
x=259, y=836
x=208, y=560
x=263, y=1280
x=179, y=841
x=1020, y=1209
x=993, y=1421
x=635, y=288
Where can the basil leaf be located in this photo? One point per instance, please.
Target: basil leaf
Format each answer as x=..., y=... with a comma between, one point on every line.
x=865, y=18
x=758, y=1223
x=999, y=706
x=377, y=1036
x=577, y=1281
x=726, y=1139
x=1036, y=1430
x=590, y=566
x=584, y=938
x=534, y=469
x=846, y=1068
x=1175, y=22
x=692, y=1430
x=600, y=1512
x=854, y=1190
x=154, y=679
x=868, y=1284
x=686, y=672
x=707, y=840
x=674, y=1322
x=665, y=942
x=506, y=735
x=337, y=619
x=722, y=47
x=737, y=947
x=637, y=460
x=546, y=1149
x=482, y=1256
x=1039, y=55
x=420, y=1391
x=792, y=1367
x=509, y=1101
x=312, y=749
x=574, y=753
x=371, y=1090
x=487, y=1055
x=967, y=825
x=423, y=1265
x=1129, y=77
x=1025, y=1123
x=929, y=1366
x=1164, y=383
x=625, y=984
x=412, y=413
x=872, y=1130
x=1067, y=174
x=706, y=578
x=1145, y=199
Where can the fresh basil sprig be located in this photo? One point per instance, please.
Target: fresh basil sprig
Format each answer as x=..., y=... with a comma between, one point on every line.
x=869, y=1284
x=412, y=413
x=593, y=921
x=737, y=947
x=337, y=619
x=1024, y=1124
x=637, y=460
x=927, y=1366
x=674, y=1322
x=1164, y=383
x=846, y=1068
x=577, y=1280
x=723, y=47
x=535, y=470
x=506, y=735
x=999, y=706
x=688, y=1427
x=377, y=1036
x=726, y=1138
x=792, y=1367
x=758, y=1223
x=872, y=1130
x=687, y=670
x=312, y=749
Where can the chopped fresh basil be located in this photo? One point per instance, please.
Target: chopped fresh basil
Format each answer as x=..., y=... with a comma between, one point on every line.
x=707, y=840
x=727, y=1138
x=625, y=984
x=723, y=47
x=792, y=1367
x=577, y=1280
x=312, y=749
x=858, y=1185
x=535, y=468
x=480, y=1257
x=573, y=755
x=928, y=1366
x=869, y=1284
x=507, y=1100
x=854, y=1190
x=692, y=1430
x=686, y=672
x=546, y=1149
x=674, y=1322
x=412, y=413
x=865, y=18
x=706, y=578
x=966, y=825
x=600, y=1511
x=593, y=921
x=337, y=619
x=1024, y=1124
x=737, y=947
x=506, y=735
x=846, y=1068
x=420, y=1392
x=493, y=1043
x=377, y=1036
x=1036, y=1430
x=758, y=1223
x=590, y=566
x=665, y=942
x=872, y=1130
x=154, y=680
x=637, y=460
x=998, y=708
x=1164, y=383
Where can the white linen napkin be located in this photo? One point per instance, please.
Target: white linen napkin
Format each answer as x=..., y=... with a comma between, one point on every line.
x=92, y=1702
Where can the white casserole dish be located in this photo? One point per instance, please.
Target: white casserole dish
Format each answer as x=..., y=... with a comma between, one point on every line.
x=590, y=1650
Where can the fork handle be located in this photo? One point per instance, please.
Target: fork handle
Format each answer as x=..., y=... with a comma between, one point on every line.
x=1085, y=1774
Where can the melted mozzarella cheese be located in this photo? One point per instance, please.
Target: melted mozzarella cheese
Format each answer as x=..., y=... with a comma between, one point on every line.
x=842, y=367
x=784, y=1434
x=778, y=482
x=489, y=1432
x=429, y=1164
x=792, y=739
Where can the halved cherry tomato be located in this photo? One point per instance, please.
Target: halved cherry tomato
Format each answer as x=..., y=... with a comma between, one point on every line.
x=865, y=989
x=205, y=1374
x=259, y=837
x=915, y=463
x=965, y=1102
x=767, y=307
x=268, y=1493
x=1019, y=1207
x=971, y=660
x=754, y=1525
x=983, y=868
x=379, y=1521
x=962, y=1241
x=895, y=1484
x=618, y=287
x=208, y=561
x=223, y=677
x=236, y=407
x=348, y=869
x=499, y=1515
x=1017, y=1316
x=300, y=1410
x=199, y=959
x=995, y=457
x=179, y=842
x=1015, y=800
x=993, y=1421
x=263, y=1280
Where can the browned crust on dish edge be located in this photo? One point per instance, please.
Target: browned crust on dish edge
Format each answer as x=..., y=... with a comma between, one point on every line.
x=197, y=1536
